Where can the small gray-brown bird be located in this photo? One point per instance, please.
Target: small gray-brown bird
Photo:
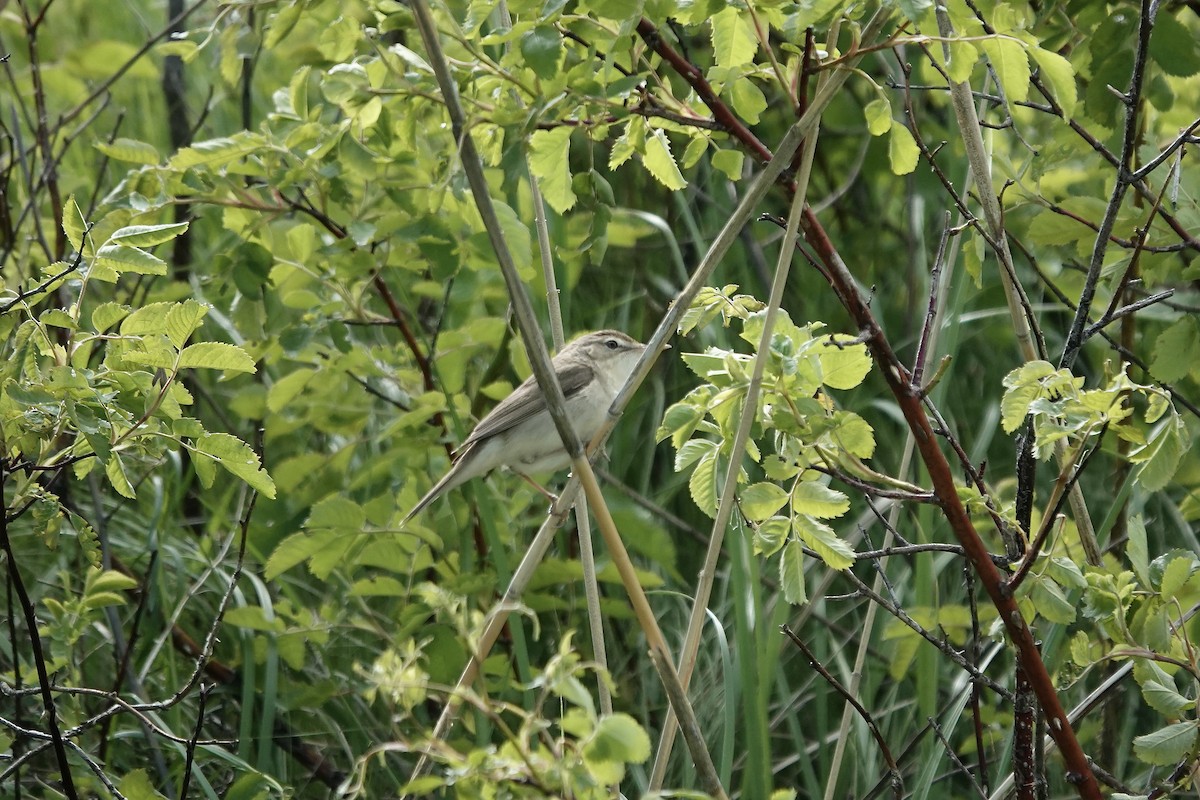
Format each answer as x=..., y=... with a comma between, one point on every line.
x=519, y=433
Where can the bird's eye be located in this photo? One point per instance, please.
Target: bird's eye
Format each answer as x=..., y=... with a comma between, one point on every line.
x=612, y=344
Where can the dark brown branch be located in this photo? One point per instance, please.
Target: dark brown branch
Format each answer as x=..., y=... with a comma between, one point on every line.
x=885, y=751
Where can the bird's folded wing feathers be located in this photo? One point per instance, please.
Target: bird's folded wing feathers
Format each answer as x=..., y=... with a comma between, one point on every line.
x=525, y=401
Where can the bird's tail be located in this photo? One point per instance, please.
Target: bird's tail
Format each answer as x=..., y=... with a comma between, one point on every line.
x=450, y=480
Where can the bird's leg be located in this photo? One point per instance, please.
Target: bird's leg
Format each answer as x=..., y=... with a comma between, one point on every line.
x=552, y=497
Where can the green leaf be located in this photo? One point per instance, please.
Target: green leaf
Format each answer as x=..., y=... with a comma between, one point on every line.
x=150, y=318
x=843, y=366
x=287, y=388
x=747, y=100
x=618, y=737
x=1166, y=746
x=1160, y=456
x=550, y=163
x=182, y=320
x=137, y=785
x=337, y=513
x=73, y=223
x=703, y=484
x=216, y=355
x=659, y=162
x=729, y=162
x=791, y=573
x=1011, y=63
x=130, y=151
x=298, y=548
x=1136, y=550
x=1175, y=575
x=236, y=456
x=1164, y=699
x=1173, y=47
x=878, y=113
x=1175, y=351
x=834, y=551
x=761, y=500
x=770, y=535
x=903, y=152
x=541, y=48
x=147, y=235
x=733, y=38
x=217, y=152
x=1024, y=386
x=130, y=259
x=854, y=434
x=818, y=500
x=1058, y=74
x=963, y=58
x=105, y=315
x=115, y=471
x=1051, y=603
x=516, y=234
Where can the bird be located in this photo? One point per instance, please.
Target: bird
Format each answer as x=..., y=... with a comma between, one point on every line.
x=519, y=432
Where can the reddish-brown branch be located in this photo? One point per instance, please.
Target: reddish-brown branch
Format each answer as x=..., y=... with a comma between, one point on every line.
x=909, y=399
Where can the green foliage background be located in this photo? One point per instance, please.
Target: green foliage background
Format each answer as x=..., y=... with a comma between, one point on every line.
x=246, y=316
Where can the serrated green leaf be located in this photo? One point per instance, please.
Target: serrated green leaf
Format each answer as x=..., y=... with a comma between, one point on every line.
x=1165, y=699
x=854, y=434
x=818, y=500
x=833, y=550
x=791, y=573
x=659, y=162
x=1175, y=575
x=137, y=785
x=903, y=152
x=1051, y=603
x=843, y=366
x=1175, y=351
x=618, y=737
x=1166, y=746
x=1173, y=46
x=130, y=259
x=336, y=512
x=729, y=162
x=760, y=500
x=963, y=58
x=770, y=535
x=550, y=163
x=1058, y=74
x=1023, y=387
x=734, y=41
x=1137, y=551
x=74, y=225
x=57, y=318
x=216, y=355
x=541, y=48
x=216, y=152
x=1160, y=456
x=130, y=151
x=182, y=320
x=287, y=388
x=878, y=114
x=105, y=315
x=150, y=318
x=747, y=100
x=1011, y=63
x=296, y=549
x=115, y=471
x=703, y=484
x=147, y=235
x=236, y=456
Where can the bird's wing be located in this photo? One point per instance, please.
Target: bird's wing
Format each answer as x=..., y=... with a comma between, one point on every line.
x=525, y=401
